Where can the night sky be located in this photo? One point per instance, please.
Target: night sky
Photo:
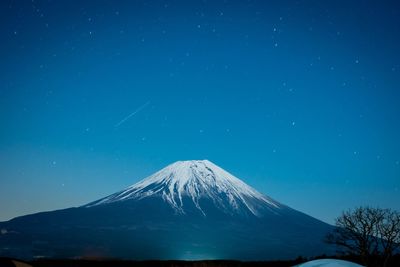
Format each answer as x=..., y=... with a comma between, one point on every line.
x=300, y=99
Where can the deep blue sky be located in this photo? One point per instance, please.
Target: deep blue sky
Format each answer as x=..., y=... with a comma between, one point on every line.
x=300, y=99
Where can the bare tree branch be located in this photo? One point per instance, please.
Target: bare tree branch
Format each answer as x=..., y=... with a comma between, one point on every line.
x=368, y=232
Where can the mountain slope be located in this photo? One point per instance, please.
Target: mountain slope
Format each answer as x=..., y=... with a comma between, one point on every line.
x=188, y=210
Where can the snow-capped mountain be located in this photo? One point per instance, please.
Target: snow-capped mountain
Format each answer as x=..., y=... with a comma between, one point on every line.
x=195, y=180
x=188, y=210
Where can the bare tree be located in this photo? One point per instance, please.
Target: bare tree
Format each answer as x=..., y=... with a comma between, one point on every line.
x=367, y=232
x=388, y=232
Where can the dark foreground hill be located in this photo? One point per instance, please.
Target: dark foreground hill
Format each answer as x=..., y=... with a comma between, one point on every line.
x=208, y=263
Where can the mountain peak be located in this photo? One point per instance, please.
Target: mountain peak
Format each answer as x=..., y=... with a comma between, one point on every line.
x=185, y=183
x=190, y=164
x=191, y=209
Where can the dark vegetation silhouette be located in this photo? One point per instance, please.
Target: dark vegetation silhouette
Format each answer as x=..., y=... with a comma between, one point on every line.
x=393, y=262
x=373, y=234
x=5, y=262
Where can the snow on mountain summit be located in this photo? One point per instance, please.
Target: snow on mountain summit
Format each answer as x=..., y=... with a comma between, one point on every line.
x=196, y=181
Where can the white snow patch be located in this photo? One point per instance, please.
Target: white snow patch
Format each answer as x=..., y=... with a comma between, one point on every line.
x=329, y=263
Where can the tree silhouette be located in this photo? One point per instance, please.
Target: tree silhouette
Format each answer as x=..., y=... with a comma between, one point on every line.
x=372, y=233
